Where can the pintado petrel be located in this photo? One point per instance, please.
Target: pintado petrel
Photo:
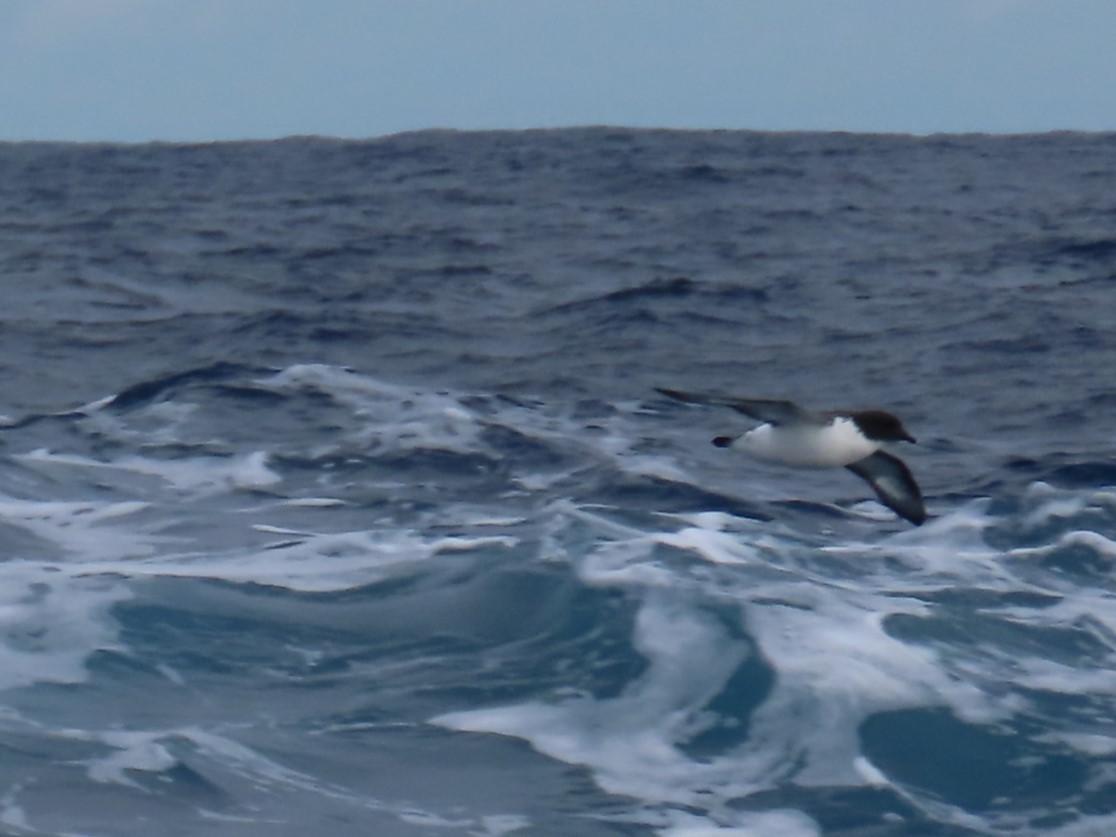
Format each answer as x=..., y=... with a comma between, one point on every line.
x=800, y=438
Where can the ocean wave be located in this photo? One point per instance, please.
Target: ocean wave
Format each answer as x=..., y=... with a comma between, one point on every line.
x=334, y=487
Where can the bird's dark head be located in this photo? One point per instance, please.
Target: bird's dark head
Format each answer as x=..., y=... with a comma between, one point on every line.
x=881, y=426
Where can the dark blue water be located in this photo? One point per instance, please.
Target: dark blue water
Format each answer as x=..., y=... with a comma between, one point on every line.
x=335, y=494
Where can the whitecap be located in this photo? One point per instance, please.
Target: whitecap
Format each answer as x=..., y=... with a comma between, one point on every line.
x=51, y=622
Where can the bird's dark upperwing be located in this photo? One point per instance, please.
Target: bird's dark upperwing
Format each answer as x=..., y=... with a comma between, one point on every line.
x=762, y=409
x=891, y=479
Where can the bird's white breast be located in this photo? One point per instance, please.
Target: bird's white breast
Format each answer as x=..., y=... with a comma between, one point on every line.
x=834, y=445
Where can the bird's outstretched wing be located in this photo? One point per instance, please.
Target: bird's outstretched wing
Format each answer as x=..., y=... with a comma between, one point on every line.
x=891, y=479
x=762, y=409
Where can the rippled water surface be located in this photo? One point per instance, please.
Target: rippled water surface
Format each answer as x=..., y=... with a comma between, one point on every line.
x=335, y=492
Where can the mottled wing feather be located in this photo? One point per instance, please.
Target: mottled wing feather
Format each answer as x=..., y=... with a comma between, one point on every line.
x=762, y=409
x=893, y=483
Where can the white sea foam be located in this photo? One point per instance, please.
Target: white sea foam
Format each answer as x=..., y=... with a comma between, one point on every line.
x=126, y=537
x=835, y=662
x=50, y=622
x=631, y=741
x=132, y=751
x=392, y=417
x=309, y=563
x=194, y=475
x=783, y=823
x=150, y=751
x=92, y=530
x=714, y=590
x=396, y=418
x=12, y=814
x=711, y=544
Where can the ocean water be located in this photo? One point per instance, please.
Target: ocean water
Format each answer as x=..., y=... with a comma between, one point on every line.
x=336, y=496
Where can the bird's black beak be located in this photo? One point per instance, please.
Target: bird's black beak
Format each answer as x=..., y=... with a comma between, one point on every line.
x=909, y=438
x=723, y=441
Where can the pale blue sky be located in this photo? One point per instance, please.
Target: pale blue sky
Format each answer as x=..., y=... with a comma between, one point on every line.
x=198, y=70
